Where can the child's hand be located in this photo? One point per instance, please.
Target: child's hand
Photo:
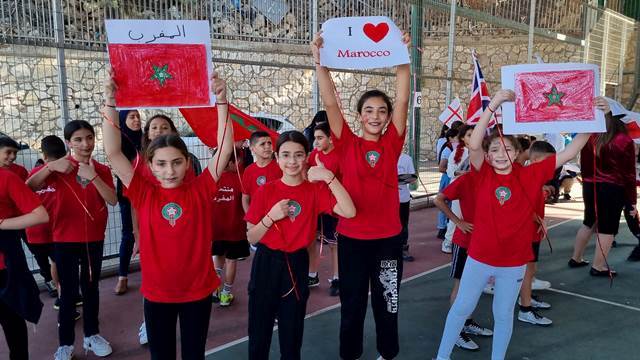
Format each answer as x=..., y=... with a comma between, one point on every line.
x=62, y=165
x=502, y=96
x=87, y=171
x=465, y=227
x=406, y=38
x=316, y=44
x=280, y=210
x=109, y=87
x=319, y=172
x=219, y=87
x=602, y=104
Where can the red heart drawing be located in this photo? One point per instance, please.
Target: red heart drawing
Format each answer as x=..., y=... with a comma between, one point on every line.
x=376, y=32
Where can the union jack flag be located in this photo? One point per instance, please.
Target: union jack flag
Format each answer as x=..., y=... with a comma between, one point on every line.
x=480, y=97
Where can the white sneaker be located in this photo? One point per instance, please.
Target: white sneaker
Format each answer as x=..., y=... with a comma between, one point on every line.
x=64, y=353
x=465, y=342
x=488, y=289
x=538, y=284
x=142, y=334
x=475, y=329
x=447, y=247
x=533, y=317
x=537, y=304
x=97, y=344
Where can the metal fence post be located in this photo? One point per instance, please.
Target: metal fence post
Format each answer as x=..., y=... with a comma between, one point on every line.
x=314, y=30
x=58, y=26
x=452, y=37
x=416, y=70
x=532, y=21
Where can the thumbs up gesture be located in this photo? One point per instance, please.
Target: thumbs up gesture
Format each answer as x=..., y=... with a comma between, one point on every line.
x=87, y=171
x=319, y=172
x=62, y=165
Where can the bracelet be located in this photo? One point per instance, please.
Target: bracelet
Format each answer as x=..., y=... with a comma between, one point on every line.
x=269, y=217
x=490, y=109
x=330, y=181
x=90, y=181
x=222, y=103
x=263, y=224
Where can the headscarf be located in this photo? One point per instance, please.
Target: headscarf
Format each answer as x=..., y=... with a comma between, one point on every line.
x=131, y=140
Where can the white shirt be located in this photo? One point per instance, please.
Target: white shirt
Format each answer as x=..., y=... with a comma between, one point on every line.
x=405, y=166
x=462, y=165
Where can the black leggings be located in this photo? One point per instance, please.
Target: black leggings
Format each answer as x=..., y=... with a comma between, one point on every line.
x=160, y=321
x=42, y=253
x=14, y=327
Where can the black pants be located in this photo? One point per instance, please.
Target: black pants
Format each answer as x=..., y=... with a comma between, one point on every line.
x=404, y=221
x=42, y=253
x=632, y=222
x=127, y=241
x=272, y=293
x=364, y=263
x=160, y=320
x=14, y=327
x=88, y=256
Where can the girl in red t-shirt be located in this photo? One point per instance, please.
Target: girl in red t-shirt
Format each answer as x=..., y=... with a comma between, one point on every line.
x=282, y=220
x=503, y=228
x=174, y=217
x=369, y=245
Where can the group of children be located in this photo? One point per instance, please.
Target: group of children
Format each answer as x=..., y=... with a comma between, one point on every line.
x=345, y=193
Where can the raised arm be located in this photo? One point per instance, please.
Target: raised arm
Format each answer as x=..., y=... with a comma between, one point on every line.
x=62, y=165
x=403, y=92
x=327, y=93
x=476, y=153
x=572, y=150
x=221, y=158
x=111, y=134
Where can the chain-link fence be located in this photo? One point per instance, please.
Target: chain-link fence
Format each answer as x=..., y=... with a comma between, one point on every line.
x=53, y=58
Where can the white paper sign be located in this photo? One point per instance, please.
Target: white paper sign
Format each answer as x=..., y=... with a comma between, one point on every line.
x=417, y=99
x=153, y=42
x=452, y=113
x=552, y=98
x=362, y=43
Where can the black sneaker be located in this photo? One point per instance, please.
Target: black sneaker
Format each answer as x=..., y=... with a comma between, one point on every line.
x=314, y=281
x=441, y=233
x=51, y=289
x=76, y=315
x=567, y=196
x=56, y=304
x=334, y=289
x=575, y=264
x=79, y=300
x=635, y=254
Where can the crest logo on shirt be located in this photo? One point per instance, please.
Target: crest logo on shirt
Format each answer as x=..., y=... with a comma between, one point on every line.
x=261, y=180
x=372, y=158
x=503, y=194
x=294, y=209
x=171, y=212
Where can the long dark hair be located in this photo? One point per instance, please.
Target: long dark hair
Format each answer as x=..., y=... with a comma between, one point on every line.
x=170, y=140
x=145, y=139
x=462, y=131
x=614, y=127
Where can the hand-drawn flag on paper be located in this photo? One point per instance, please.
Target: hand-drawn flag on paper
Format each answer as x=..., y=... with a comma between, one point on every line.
x=554, y=95
x=633, y=129
x=204, y=122
x=452, y=113
x=480, y=97
x=160, y=63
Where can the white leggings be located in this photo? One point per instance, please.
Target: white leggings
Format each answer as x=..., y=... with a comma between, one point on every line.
x=451, y=226
x=474, y=278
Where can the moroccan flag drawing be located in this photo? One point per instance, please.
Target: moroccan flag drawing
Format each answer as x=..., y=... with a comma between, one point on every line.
x=204, y=122
x=552, y=98
x=160, y=63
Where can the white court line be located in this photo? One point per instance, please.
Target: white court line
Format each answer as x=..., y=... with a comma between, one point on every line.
x=335, y=306
x=321, y=311
x=628, y=307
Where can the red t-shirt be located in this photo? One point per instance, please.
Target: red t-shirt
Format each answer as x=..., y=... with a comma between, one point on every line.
x=19, y=170
x=254, y=176
x=370, y=175
x=503, y=222
x=80, y=213
x=227, y=209
x=461, y=189
x=306, y=202
x=175, y=238
x=42, y=234
x=15, y=199
x=331, y=160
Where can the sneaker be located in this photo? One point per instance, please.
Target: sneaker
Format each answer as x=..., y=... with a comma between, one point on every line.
x=142, y=334
x=567, y=196
x=56, y=304
x=51, y=288
x=447, y=247
x=406, y=257
x=441, y=233
x=489, y=289
x=64, y=353
x=97, y=344
x=465, y=342
x=575, y=264
x=253, y=248
x=537, y=304
x=215, y=297
x=76, y=315
x=473, y=328
x=314, y=281
x=635, y=254
x=334, y=289
x=226, y=298
x=79, y=300
x=532, y=317
x=538, y=284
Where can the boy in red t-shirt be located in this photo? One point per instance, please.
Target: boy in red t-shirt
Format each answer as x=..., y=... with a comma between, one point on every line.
x=8, y=151
x=263, y=170
x=230, y=235
x=19, y=301
x=538, y=151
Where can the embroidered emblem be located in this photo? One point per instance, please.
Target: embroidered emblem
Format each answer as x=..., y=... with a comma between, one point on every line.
x=261, y=180
x=294, y=209
x=171, y=212
x=372, y=158
x=503, y=194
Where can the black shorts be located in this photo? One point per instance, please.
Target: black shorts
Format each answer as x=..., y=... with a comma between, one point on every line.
x=327, y=229
x=536, y=250
x=611, y=200
x=232, y=250
x=458, y=259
